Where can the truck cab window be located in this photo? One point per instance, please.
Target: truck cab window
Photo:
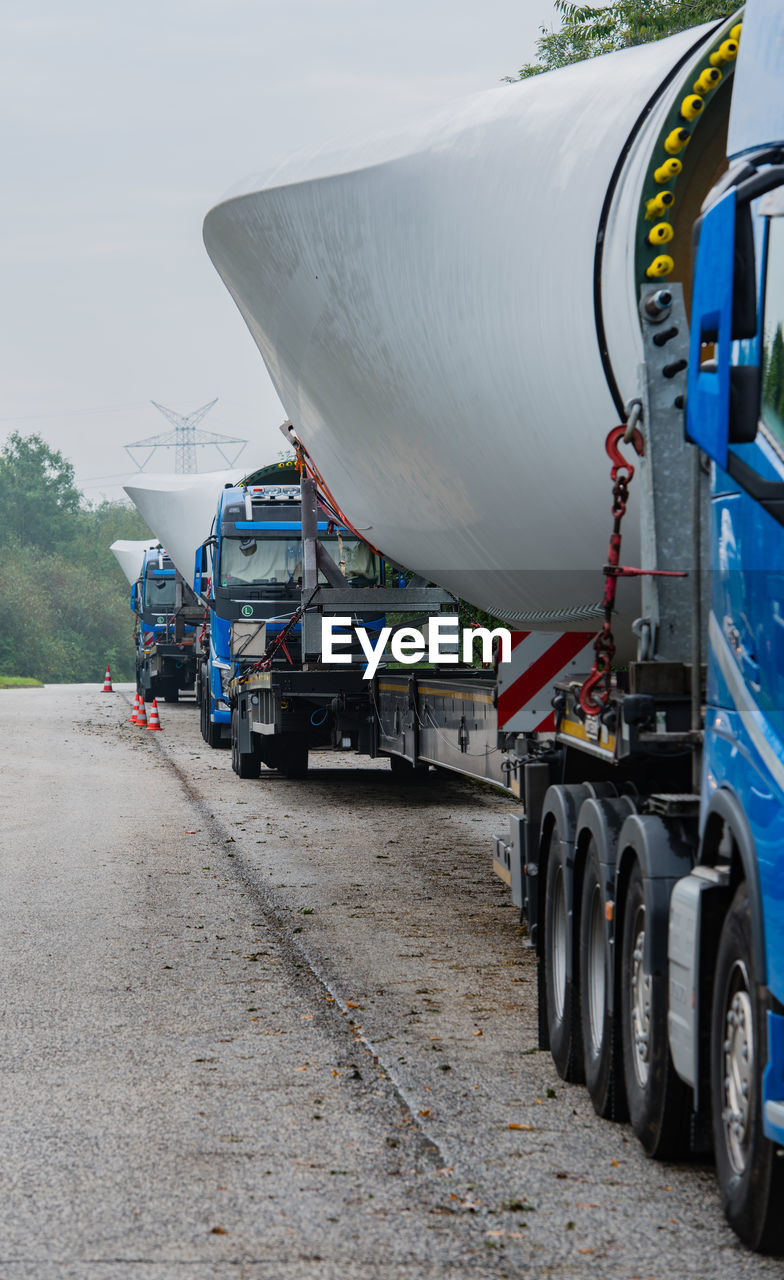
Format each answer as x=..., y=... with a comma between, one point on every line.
x=270, y=560
x=160, y=593
x=773, y=340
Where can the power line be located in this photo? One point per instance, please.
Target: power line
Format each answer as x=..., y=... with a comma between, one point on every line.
x=72, y=413
x=185, y=439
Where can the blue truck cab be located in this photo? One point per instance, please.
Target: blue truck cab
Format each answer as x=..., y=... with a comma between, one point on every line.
x=250, y=573
x=735, y=414
x=166, y=612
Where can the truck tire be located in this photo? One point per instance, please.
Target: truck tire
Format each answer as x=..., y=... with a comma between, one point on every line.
x=211, y=733
x=658, y=1100
x=750, y=1173
x=601, y=1042
x=246, y=764
x=561, y=994
x=171, y=692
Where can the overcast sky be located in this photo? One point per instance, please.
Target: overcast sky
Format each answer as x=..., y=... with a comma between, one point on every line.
x=121, y=126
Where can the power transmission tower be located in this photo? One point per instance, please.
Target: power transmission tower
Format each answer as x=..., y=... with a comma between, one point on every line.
x=185, y=440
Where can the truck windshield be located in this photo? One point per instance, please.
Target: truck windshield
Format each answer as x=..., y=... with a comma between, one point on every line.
x=265, y=561
x=773, y=353
x=159, y=593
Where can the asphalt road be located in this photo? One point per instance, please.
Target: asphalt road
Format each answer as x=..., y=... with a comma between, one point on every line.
x=288, y=1030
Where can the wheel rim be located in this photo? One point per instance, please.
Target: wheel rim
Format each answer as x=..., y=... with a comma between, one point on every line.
x=559, y=945
x=596, y=976
x=738, y=1055
x=640, y=998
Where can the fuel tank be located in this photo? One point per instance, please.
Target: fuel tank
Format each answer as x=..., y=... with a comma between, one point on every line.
x=450, y=316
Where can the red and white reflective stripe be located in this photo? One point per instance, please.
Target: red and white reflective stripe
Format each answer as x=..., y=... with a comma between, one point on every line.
x=525, y=683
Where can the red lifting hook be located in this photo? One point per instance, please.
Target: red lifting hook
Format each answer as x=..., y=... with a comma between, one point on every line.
x=616, y=457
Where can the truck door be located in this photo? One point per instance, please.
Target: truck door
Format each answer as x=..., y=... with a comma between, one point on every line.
x=766, y=588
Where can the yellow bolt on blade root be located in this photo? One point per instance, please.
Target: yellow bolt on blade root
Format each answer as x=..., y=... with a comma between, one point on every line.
x=676, y=141
x=665, y=172
x=691, y=106
x=661, y=266
x=658, y=205
x=662, y=233
x=707, y=80
x=735, y=32
x=726, y=52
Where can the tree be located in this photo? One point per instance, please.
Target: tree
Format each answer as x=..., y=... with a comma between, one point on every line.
x=773, y=386
x=38, y=497
x=64, y=601
x=586, y=31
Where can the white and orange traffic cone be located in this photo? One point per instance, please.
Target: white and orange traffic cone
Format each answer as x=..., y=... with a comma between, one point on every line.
x=141, y=714
x=154, y=720
x=107, y=682
x=135, y=711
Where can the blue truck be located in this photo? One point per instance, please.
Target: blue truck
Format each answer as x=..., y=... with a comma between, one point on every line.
x=277, y=557
x=243, y=583
x=167, y=616
x=648, y=859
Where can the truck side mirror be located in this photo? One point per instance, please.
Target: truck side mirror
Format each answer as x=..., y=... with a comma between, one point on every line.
x=722, y=406
x=201, y=571
x=135, y=597
x=723, y=401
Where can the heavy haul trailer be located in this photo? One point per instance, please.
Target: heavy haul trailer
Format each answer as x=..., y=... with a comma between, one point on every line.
x=167, y=615
x=648, y=854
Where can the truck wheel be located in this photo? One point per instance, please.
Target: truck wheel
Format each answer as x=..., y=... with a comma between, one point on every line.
x=751, y=1174
x=246, y=764
x=603, y=1074
x=561, y=996
x=172, y=693
x=210, y=732
x=657, y=1098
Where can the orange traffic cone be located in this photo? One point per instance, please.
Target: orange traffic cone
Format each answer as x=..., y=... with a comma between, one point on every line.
x=107, y=682
x=135, y=711
x=154, y=721
x=141, y=714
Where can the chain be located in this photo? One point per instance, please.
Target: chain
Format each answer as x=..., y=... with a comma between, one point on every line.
x=595, y=692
